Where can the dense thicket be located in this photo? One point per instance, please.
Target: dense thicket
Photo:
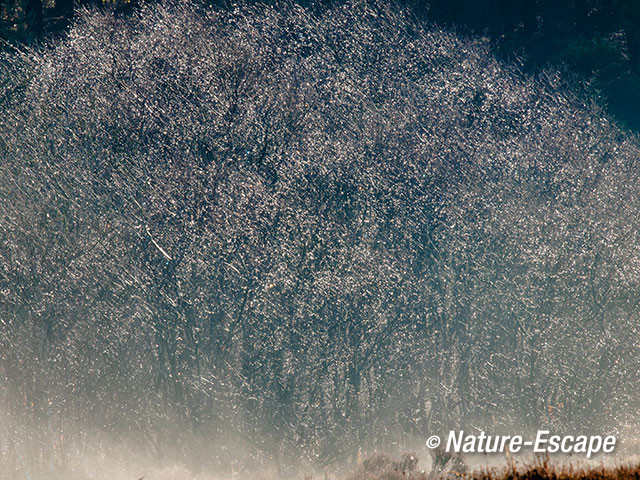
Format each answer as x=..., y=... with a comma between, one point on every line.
x=304, y=234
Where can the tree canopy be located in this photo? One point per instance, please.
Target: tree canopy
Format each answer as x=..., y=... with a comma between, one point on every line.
x=304, y=233
x=596, y=40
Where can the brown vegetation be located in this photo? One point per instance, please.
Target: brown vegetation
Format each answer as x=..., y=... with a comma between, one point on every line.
x=546, y=470
x=381, y=467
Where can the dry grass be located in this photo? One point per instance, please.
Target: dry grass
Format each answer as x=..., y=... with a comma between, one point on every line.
x=546, y=470
x=381, y=467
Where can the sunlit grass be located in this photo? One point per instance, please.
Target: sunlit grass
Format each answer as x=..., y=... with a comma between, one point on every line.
x=381, y=467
